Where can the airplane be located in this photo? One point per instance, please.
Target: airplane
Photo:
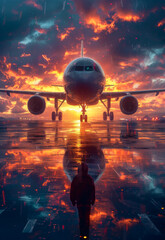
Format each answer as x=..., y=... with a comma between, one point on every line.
x=84, y=82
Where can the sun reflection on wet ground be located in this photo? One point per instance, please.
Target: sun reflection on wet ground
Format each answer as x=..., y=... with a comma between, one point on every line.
x=39, y=160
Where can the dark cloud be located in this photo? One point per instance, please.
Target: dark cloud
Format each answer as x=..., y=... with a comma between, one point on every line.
x=88, y=6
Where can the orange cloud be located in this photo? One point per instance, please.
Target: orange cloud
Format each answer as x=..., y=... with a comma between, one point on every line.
x=46, y=58
x=129, y=17
x=21, y=71
x=34, y=4
x=64, y=35
x=25, y=55
x=42, y=65
x=41, y=30
x=26, y=65
x=68, y=53
x=161, y=23
x=129, y=63
x=99, y=25
x=95, y=38
x=20, y=80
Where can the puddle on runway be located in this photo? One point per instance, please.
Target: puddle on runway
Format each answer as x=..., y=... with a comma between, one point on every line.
x=39, y=160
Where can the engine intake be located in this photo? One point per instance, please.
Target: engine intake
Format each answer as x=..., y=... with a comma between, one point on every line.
x=129, y=105
x=36, y=105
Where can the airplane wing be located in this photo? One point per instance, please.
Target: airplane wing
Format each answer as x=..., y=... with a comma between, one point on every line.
x=59, y=95
x=106, y=95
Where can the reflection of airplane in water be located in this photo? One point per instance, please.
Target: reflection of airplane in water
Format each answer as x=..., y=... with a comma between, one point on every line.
x=82, y=151
x=84, y=82
x=92, y=155
x=38, y=176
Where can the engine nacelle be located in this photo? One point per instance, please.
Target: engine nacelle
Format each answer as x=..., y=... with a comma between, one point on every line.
x=36, y=105
x=129, y=105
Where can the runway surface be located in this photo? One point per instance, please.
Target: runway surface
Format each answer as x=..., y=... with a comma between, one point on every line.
x=38, y=161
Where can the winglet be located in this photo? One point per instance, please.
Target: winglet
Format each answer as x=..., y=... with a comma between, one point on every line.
x=82, y=48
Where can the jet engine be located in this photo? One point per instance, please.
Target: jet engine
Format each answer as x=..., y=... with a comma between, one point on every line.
x=129, y=105
x=36, y=105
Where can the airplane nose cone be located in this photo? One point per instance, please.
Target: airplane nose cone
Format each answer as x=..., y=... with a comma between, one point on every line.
x=84, y=90
x=84, y=77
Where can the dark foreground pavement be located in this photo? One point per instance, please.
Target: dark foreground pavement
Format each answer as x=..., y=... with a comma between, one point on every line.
x=38, y=161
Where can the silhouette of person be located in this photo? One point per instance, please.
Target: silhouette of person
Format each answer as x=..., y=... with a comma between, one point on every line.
x=83, y=194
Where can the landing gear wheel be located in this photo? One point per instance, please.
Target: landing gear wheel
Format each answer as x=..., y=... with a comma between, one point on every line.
x=81, y=118
x=86, y=118
x=104, y=116
x=60, y=116
x=53, y=116
x=111, y=116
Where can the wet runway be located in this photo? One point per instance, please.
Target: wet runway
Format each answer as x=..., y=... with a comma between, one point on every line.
x=39, y=160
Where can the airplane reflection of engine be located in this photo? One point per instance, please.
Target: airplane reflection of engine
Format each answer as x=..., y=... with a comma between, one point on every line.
x=129, y=130
x=92, y=155
x=76, y=151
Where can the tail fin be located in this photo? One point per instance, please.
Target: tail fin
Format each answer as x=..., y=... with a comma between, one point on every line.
x=82, y=48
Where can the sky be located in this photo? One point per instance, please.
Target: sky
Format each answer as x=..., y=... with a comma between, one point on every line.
x=38, y=39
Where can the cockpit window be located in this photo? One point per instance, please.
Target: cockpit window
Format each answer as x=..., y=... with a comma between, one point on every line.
x=88, y=68
x=79, y=68
x=96, y=68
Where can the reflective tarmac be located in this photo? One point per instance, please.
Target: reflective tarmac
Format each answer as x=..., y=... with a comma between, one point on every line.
x=126, y=171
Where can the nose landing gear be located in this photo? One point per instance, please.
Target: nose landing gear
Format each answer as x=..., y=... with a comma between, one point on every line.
x=83, y=117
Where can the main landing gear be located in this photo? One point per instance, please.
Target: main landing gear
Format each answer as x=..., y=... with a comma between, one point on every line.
x=57, y=113
x=107, y=113
x=83, y=117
